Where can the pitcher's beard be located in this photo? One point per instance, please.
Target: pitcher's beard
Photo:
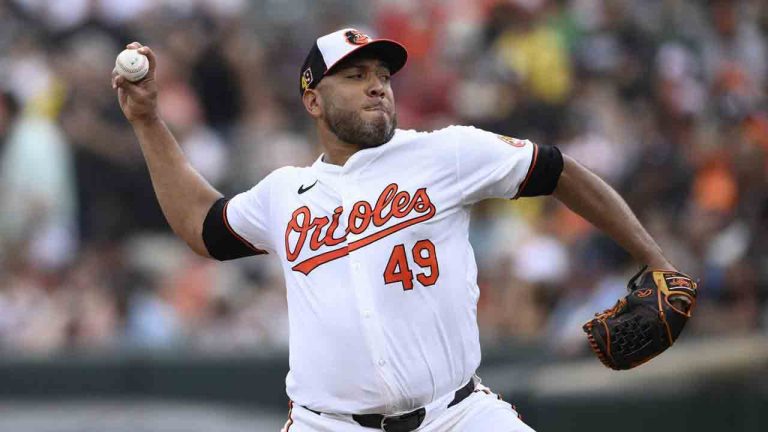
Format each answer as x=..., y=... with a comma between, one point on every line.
x=350, y=127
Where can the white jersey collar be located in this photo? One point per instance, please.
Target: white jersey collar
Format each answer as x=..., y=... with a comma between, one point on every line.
x=362, y=156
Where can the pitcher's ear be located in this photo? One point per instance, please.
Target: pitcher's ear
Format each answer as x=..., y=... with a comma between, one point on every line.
x=311, y=100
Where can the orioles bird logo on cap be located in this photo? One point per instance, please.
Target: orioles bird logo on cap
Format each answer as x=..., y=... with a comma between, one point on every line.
x=306, y=79
x=355, y=37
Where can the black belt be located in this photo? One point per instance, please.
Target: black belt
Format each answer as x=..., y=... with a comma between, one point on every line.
x=409, y=421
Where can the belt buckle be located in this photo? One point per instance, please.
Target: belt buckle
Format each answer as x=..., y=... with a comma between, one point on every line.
x=394, y=421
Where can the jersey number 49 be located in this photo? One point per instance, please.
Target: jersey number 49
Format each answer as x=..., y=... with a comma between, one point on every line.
x=397, y=269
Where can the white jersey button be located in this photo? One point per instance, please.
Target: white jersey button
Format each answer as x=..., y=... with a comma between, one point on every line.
x=382, y=362
x=367, y=313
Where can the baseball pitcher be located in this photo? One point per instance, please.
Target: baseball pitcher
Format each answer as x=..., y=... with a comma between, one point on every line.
x=373, y=240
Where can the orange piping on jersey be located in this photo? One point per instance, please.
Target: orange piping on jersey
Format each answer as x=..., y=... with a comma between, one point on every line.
x=237, y=236
x=310, y=264
x=530, y=171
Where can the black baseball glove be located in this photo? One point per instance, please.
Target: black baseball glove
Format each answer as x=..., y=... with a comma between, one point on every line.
x=645, y=322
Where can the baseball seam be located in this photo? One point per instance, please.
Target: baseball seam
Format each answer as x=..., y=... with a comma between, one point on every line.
x=127, y=68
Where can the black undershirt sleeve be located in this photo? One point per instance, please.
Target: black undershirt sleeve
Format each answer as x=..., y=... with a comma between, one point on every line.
x=544, y=173
x=219, y=238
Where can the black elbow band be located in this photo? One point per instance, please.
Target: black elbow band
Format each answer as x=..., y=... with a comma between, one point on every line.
x=545, y=170
x=222, y=242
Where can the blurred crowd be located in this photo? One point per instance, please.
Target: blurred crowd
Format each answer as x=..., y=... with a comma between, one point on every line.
x=665, y=99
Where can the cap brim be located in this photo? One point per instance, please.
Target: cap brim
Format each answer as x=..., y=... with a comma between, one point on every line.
x=392, y=53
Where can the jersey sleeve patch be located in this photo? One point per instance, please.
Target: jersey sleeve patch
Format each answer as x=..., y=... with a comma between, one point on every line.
x=512, y=141
x=544, y=172
x=222, y=242
x=489, y=165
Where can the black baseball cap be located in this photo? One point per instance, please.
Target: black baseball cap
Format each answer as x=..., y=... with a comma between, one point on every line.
x=332, y=48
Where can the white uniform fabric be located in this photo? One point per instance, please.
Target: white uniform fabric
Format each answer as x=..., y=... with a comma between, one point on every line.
x=360, y=345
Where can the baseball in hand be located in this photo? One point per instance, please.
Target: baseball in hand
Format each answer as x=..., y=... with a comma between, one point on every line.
x=132, y=65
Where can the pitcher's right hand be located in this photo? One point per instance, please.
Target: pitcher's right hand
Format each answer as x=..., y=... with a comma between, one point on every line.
x=138, y=100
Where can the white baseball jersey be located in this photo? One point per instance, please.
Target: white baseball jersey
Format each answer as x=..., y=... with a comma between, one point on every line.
x=380, y=275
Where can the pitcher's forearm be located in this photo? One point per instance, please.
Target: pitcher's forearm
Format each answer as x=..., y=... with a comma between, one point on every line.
x=184, y=195
x=589, y=196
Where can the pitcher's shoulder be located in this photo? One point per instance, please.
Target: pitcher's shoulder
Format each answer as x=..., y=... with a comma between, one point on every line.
x=437, y=136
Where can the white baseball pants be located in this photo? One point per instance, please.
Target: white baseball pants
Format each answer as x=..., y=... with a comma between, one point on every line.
x=482, y=411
